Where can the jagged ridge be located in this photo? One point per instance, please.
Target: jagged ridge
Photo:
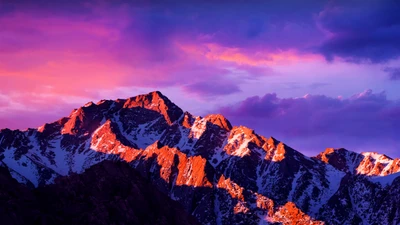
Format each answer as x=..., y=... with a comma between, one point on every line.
x=198, y=162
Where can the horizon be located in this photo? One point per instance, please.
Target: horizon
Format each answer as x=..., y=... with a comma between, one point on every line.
x=314, y=75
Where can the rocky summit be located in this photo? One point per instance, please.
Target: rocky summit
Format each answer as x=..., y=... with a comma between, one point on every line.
x=143, y=160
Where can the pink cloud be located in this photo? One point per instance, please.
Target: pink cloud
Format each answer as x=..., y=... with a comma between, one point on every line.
x=73, y=55
x=248, y=57
x=45, y=58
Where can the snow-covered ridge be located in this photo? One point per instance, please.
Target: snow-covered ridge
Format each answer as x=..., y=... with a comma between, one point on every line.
x=149, y=131
x=365, y=163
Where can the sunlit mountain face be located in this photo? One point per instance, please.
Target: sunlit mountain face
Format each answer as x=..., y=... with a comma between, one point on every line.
x=199, y=101
x=201, y=167
x=315, y=73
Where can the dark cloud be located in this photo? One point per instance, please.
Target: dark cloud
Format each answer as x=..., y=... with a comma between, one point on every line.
x=362, y=122
x=273, y=24
x=358, y=30
x=361, y=31
x=393, y=72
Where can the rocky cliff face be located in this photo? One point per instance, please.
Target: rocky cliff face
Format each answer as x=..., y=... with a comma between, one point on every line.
x=220, y=174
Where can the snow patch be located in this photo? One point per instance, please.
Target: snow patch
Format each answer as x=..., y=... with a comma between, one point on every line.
x=377, y=157
x=24, y=166
x=198, y=128
x=334, y=177
x=385, y=180
x=243, y=149
x=294, y=185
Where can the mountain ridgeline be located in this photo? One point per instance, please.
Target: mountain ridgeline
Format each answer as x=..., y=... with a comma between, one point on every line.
x=216, y=173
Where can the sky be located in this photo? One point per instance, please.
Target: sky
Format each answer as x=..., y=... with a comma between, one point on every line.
x=313, y=74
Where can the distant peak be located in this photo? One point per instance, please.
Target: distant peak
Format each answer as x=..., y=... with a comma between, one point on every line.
x=341, y=158
x=333, y=153
x=376, y=155
x=337, y=150
x=186, y=120
x=367, y=163
x=154, y=98
x=220, y=121
x=88, y=104
x=244, y=130
x=157, y=93
x=152, y=95
x=156, y=101
x=272, y=141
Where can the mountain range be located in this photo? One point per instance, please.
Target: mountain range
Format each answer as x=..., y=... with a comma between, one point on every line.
x=143, y=160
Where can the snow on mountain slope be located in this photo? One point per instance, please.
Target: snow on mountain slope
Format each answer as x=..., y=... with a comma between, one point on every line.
x=385, y=180
x=365, y=163
x=375, y=164
x=219, y=173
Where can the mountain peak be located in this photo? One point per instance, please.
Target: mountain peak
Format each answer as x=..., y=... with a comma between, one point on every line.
x=151, y=97
x=376, y=156
x=219, y=120
x=375, y=164
x=366, y=163
x=183, y=156
x=156, y=101
x=89, y=104
x=272, y=142
x=340, y=158
x=326, y=155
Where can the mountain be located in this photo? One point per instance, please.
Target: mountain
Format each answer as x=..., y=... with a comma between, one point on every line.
x=366, y=163
x=218, y=173
x=107, y=193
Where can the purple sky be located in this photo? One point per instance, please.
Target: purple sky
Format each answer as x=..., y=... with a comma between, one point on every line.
x=313, y=74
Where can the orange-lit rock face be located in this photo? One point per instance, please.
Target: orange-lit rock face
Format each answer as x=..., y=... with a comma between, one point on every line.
x=239, y=139
x=265, y=203
x=220, y=121
x=187, y=120
x=241, y=207
x=104, y=140
x=366, y=163
x=218, y=173
x=82, y=120
x=272, y=143
x=377, y=164
x=76, y=119
x=50, y=129
x=324, y=157
x=233, y=189
x=165, y=160
x=393, y=168
x=192, y=172
x=243, y=141
x=276, y=151
x=289, y=214
x=157, y=102
x=279, y=153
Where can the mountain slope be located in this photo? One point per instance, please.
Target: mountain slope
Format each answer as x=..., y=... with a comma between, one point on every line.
x=107, y=193
x=218, y=173
x=365, y=163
